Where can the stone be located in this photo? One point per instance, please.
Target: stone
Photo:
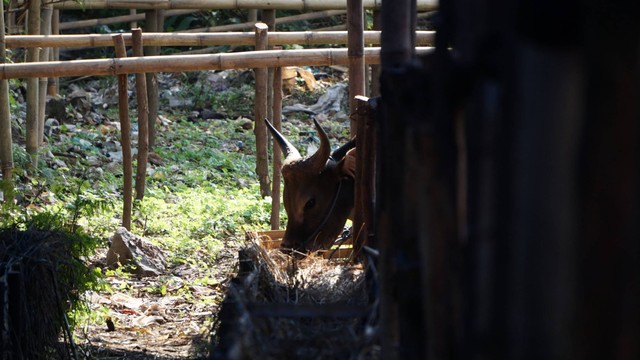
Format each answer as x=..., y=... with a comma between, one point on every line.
x=145, y=258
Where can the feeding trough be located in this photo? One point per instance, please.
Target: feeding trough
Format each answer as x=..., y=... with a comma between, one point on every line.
x=282, y=306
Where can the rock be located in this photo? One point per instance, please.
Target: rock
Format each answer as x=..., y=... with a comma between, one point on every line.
x=126, y=248
x=80, y=100
x=56, y=108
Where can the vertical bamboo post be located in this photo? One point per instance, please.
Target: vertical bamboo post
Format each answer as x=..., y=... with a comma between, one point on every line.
x=134, y=24
x=395, y=52
x=11, y=17
x=154, y=23
x=252, y=16
x=260, y=128
x=365, y=174
x=54, y=55
x=6, y=149
x=374, y=89
x=125, y=132
x=355, y=44
x=33, y=55
x=143, y=117
x=277, y=157
x=269, y=18
x=45, y=29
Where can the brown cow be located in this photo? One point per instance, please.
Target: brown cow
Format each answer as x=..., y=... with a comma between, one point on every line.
x=318, y=192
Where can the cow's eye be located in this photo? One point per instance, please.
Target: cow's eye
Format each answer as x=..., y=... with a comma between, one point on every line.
x=311, y=203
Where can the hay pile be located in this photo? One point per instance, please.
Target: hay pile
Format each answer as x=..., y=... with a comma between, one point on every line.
x=282, y=308
x=42, y=277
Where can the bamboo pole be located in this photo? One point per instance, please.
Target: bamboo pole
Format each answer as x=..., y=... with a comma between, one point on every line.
x=33, y=55
x=6, y=142
x=260, y=128
x=143, y=118
x=134, y=23
x=365, y=174
x=277, y=156
x=69, y=25
x=253, y=59
x=269, y=18
x=309, y=38
x=155, y=23
x=12, y=28
x=54, y=83
x=355, y=44
x=125, y=133
x=283, y=20
x=45, y=30
x=374, y=89
x=302, y=5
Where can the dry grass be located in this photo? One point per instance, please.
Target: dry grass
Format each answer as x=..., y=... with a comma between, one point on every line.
x=281, y=307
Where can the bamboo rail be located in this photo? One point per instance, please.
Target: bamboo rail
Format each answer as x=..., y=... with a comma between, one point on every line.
x=131, y=65
x=423, y=38
x=282, y=20
x=303, y=5
x=117, y=19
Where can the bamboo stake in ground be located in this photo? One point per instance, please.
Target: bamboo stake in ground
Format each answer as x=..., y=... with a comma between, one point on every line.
x=33, y=55
x=53, y=84
x=6, y=144
x=154, y=23
x=143, y=118
x=269, y=18
x=125, y=133
x=277, y=157
x=45, y=29
x=355, y=44
x=260, y=128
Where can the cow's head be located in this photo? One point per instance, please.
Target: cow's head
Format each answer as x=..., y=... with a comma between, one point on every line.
x=318, y=192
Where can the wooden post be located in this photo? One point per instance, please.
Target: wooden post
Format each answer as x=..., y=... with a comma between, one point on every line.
x=364, y=222
x=355, y=43
x=143, y=118
x=134, y=23
x=269, y=18
x=6, y=143
x=125, y=132
x=53, y=83
x=45, y=29
x=33, y=55
x=252, y=15
x=277, y=156
x=154, y=23
x=260, y=128
x=374, y=88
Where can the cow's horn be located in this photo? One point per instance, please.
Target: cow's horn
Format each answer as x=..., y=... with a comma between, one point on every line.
x=319, y=159
x=290, y=152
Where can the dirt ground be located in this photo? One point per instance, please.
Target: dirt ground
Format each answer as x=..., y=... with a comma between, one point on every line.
x=146, y=325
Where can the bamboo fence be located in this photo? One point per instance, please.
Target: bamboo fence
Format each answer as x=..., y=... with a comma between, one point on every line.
x=423, y=38
x=303, y=5
x=132, y=65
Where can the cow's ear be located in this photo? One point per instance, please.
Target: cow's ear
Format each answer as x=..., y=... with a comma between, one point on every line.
x=347, y=165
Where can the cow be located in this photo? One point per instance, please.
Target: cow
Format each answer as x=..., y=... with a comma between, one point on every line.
x=318, y=192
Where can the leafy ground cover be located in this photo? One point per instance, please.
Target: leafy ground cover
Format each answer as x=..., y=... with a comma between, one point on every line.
x=201, y=197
